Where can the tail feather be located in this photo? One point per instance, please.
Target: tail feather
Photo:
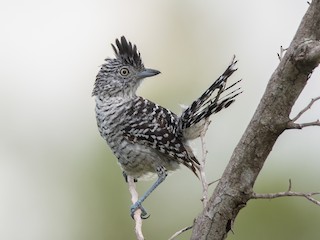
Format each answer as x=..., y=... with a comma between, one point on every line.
x=190, y=122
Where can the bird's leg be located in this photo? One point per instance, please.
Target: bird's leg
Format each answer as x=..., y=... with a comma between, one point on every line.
x=162, y=174
x=124, y=174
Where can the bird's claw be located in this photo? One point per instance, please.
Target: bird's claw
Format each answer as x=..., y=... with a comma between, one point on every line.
x=135, y=207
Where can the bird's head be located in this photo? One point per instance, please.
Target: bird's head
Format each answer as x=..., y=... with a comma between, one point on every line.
x=121, y=76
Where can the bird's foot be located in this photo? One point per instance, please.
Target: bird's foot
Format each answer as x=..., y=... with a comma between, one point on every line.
x=135, y=207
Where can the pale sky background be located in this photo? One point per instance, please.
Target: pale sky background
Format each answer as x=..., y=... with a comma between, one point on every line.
x=58, y=180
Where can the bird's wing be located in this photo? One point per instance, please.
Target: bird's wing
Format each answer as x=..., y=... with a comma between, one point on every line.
x=154, y=126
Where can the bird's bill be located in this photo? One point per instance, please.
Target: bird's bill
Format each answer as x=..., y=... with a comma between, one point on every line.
x=148, y=72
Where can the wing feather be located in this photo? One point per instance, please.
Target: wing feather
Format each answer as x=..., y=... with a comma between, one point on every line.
x=156, y=127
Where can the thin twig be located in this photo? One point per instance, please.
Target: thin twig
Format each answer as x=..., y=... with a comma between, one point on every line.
x=288, y=193
x=293, y=125
x=313, y=100
x=203, y=178
x=282, y=50
x=210, y=183
x=180, y=232
x=290, y=185
x=137, y=214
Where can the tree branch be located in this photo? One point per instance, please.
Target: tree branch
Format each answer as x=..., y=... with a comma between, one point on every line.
x=288, y=193
x=202, y=166
x=305, y=109
x=137, y=214
x=293, y=125
x=180, y=232
x=270, y=120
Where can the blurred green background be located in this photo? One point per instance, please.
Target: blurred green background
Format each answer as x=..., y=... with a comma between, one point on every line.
x=59, y=180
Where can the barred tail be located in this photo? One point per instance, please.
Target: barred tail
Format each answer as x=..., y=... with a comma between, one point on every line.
x=192, y=120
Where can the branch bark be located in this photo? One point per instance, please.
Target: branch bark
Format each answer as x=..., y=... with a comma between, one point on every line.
x=270, y=120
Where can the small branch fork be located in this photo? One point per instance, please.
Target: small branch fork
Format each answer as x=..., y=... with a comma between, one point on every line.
x=288, y=193
x=293, y=125
x=137, y=214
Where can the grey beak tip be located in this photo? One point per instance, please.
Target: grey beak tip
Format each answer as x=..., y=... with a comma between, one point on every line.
x=148, y=73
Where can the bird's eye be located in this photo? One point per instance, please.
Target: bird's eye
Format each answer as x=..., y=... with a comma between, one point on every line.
x=124, y=71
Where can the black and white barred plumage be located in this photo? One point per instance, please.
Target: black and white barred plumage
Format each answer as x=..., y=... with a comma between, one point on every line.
x=144, y=136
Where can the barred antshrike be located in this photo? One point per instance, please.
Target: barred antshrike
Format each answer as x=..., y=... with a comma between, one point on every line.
x=145, y=137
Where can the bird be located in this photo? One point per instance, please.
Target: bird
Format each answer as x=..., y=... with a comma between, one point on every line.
x=146, y=138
